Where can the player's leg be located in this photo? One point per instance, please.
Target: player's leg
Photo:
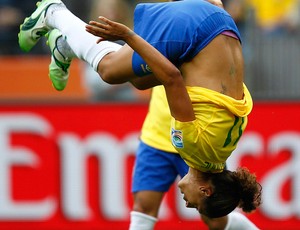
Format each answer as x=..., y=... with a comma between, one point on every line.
x=53, y=14
x=154, y=173
x=111, y=67
x=145, y=210
x=116, y=67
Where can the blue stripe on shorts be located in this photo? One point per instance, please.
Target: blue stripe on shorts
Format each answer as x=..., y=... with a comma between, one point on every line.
x=156, y=170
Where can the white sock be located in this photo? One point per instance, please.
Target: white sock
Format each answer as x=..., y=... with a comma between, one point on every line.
x=141, y=221
x=81, y=42
x=237, y=221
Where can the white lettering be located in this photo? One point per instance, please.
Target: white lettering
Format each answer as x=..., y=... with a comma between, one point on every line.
x=9, y=156
x=273, y=204
x=111, y=154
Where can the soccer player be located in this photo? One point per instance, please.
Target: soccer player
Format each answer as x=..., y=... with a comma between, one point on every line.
x=208, y=100
x=157, y=166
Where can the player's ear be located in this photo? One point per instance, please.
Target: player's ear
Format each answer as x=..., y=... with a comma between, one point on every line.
x=205, y=190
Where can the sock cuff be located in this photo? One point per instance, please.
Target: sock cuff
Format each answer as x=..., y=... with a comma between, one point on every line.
x=107, y=48
x=142, y=215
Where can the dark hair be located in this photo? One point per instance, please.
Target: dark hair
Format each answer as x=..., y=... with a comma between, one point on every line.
x=230, y=190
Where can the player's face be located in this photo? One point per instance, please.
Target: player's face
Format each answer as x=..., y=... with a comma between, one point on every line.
x=194, y=190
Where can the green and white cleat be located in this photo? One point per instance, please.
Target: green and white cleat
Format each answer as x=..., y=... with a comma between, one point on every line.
x=60, y=64
x=34, y=27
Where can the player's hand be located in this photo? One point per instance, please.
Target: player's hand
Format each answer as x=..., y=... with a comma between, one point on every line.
x=108, y=30
x=216, y=3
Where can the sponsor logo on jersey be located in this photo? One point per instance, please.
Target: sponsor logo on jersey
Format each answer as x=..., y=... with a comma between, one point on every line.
x=177, y=138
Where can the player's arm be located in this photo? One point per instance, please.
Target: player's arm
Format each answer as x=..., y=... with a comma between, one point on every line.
x=178, y=99
x=145, y=82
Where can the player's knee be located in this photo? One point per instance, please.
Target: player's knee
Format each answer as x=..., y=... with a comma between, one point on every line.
x=140, y=207
x=106, y=75
x=110, y=72
x=110, y=76
x=146, y=208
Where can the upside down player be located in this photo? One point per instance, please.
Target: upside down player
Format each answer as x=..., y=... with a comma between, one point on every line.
x=209, y=102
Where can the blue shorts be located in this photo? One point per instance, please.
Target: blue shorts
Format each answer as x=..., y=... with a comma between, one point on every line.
x=156, y=170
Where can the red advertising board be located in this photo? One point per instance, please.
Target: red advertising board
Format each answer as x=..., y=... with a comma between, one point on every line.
x=69, y=167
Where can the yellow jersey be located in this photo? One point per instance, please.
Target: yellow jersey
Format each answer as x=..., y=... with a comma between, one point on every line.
x=207, y=142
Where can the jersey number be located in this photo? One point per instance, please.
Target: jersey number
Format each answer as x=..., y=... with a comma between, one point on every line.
x=228, y=139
